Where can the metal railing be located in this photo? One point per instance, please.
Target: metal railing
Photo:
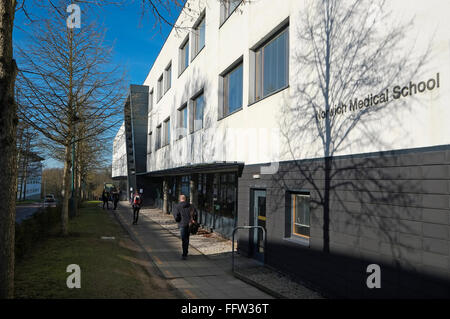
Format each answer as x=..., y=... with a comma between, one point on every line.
x=247, y=227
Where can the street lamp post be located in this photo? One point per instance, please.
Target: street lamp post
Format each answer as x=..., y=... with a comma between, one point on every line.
x=72, y=201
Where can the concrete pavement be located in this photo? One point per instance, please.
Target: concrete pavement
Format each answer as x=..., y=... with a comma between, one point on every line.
x=197, y=277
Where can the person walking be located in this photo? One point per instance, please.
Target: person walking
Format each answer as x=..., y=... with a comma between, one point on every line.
x=115, y=198
x=105, y=199
x=137, y=202
x=183, y=214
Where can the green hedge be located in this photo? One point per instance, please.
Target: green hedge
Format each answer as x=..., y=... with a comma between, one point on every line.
x=35, y=228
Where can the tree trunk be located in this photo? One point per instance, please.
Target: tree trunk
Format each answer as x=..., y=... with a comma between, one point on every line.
x=326, y=205
x=67, y=193
x=8, y=151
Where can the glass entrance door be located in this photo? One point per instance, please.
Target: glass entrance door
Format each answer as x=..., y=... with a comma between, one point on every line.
x=259, y=219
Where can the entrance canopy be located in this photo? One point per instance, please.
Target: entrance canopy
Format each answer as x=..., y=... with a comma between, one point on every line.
x=198, y=168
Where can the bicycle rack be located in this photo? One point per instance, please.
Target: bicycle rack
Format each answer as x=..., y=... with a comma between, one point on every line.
x=247, y=227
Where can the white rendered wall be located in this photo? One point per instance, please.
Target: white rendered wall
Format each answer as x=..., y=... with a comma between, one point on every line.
x=252, y=135
x=119, y=162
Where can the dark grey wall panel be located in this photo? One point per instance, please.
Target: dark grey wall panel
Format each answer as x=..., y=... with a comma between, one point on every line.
x=387, y=208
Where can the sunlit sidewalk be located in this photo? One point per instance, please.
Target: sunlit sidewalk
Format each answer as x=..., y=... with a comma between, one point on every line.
x=197, y=277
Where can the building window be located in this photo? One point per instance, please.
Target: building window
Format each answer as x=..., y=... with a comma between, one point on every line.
x=227, y=8
x=182, y=121
x=158, y=137
x=150, y=101
x=185, y=185
x=272, y=65
x=198, y=105
x=166, y=137
x=168, y=78
x=205, y=192
x=160, y=88
x=150, y=135
x=227, y=194
x=184, y=56
x=300, y=215
x=232, y=90
x=199, y=37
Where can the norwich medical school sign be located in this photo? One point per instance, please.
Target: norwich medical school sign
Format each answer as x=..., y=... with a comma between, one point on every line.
x=398, y=92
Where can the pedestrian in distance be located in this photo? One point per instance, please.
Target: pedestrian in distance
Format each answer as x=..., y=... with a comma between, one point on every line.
x=105, y=199
x=115, y=199
x=131, y=196
x=137, y=202
x=184, y=214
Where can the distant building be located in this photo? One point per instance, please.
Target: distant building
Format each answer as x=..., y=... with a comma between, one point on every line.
x=29, y=177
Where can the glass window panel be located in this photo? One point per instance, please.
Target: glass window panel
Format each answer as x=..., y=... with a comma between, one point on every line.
x=233, y=5
x=226, y=96
x=301, y=215
x=198, y=112
x=199, y=37
x=166, y=132
x=185, y=118
x=272, y=66
x=158, y=137
x=168, y=78
x=186, y=55
x=202, y=30
x=150, y=101
x=182, y=122
x=258, y=74
x=160, y=88
x=228, y=8
x=234, y=90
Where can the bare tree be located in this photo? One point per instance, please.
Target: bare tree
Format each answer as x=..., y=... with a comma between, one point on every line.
x=27, y=139
x=66, y=82
x=52, y=181
x=346, y=49
x=8, y=123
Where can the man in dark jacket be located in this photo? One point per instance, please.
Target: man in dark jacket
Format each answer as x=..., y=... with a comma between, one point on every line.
x=182, y=214
x=105, y=196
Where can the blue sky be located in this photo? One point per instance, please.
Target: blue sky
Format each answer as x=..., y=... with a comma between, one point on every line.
x=136, y=39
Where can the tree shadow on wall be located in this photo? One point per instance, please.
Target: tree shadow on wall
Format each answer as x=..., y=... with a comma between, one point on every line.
x=349, y=57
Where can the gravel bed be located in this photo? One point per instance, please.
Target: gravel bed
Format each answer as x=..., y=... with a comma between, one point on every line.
x=206, y=242
x=279, y=283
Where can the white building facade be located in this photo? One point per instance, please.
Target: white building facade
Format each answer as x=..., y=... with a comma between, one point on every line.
x=236, y=123
x=29, y=181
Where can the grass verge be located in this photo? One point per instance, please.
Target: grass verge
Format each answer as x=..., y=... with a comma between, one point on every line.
x=109, y=268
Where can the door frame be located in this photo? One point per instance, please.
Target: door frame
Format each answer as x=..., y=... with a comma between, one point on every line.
x=252, y=222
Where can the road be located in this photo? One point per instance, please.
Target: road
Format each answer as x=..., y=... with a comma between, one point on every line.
x=25, y=211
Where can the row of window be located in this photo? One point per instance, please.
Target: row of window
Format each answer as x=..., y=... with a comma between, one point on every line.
x=270, y=75
x=163, y=136
x=33, y=181
x=164, y=82
x=196, y=42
